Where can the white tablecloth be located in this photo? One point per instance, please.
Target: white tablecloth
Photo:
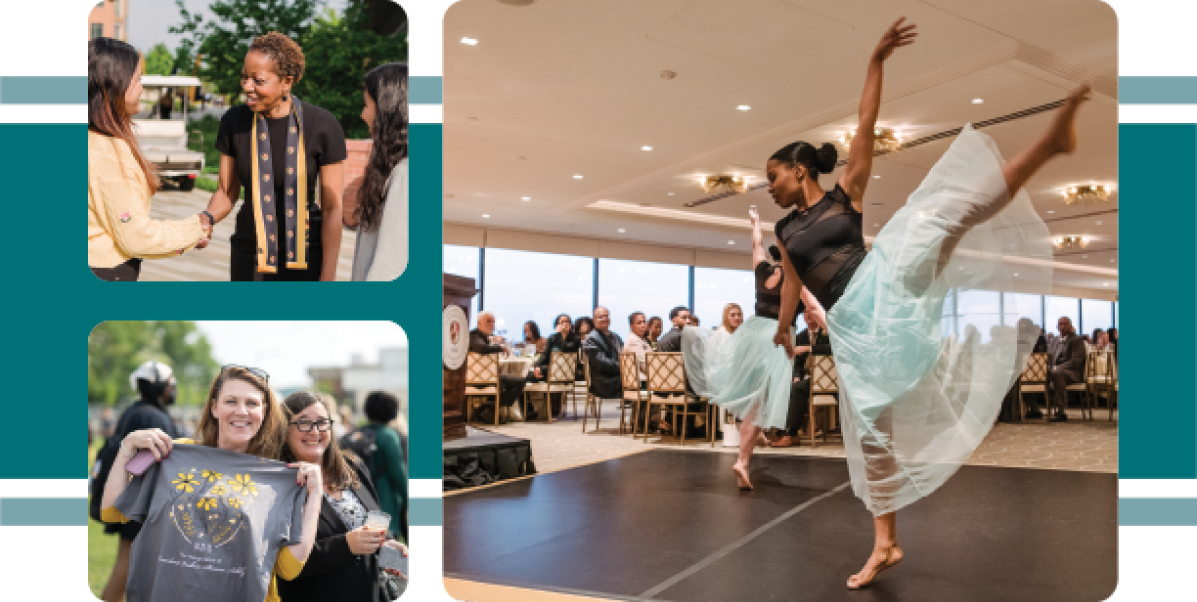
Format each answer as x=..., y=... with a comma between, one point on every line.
x=515, y=366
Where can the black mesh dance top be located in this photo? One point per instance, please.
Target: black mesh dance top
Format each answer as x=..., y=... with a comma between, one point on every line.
x=768, y=300
x=825, y=244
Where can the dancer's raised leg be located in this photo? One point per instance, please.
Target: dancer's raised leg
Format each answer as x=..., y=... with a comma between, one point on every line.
x=886, y=552
x=1060, y=138
x=749, y=432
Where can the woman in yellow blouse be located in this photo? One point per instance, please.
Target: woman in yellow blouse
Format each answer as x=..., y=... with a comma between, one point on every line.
x=120, y=181
x=242, y=415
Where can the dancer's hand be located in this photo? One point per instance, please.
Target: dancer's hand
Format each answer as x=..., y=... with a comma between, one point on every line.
x=816, y=319
x=783, y=338
x=895, y=37
x=754, y=218
x=203, y=243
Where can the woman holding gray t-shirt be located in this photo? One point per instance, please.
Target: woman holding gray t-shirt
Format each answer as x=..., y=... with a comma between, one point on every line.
x=242, y=415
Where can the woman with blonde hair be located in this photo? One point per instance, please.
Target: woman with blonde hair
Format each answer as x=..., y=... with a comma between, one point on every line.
x=733, y=317
x=120, y=181
x=242, y=415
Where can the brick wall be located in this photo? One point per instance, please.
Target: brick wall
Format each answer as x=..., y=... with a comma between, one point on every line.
x=355, y=171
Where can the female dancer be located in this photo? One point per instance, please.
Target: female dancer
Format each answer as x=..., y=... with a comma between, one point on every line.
x=910, y=415
x=275, y=146
x=750, y=377
x=120, y=182
x=381, y=215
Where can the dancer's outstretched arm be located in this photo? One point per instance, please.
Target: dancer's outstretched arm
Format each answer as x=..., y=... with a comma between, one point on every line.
x=855, y=178
x=791, y=291
x=758, y=240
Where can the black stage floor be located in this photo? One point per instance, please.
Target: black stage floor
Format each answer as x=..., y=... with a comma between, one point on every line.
x=671, y=525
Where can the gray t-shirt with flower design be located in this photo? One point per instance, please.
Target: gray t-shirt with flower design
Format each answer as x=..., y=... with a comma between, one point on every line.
x=215, y=521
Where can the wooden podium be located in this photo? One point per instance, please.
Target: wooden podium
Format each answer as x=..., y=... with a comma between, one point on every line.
x=458, y=291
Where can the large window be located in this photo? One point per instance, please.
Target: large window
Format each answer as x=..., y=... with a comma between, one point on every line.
x=1115, y=314
x=1096, y=313
x=715, y=288
x=631, y=286
x=522, y=286
x=463, y=261
x=949, y=314
x=1059, y=307
x=977, y=313
x=97, y=30
x=1018, y=306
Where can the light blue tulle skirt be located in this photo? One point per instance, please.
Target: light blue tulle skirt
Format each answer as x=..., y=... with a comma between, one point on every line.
x=749, y=376
x=916, y=399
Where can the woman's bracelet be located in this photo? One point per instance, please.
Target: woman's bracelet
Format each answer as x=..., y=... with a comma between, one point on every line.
x=126, y=451
x=211, y=220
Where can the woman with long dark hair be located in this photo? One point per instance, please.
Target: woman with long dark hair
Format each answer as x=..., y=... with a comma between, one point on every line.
x=914, y=404
x=563, y=340
x=343, y=564
x=381, y=214
x=276, y=146
x=120, y=181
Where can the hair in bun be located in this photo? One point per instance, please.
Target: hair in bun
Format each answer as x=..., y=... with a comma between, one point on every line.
x=817, y=161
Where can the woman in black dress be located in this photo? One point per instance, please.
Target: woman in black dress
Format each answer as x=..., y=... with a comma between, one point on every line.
x=911, y=412
x=563, y=340
x=276, y=146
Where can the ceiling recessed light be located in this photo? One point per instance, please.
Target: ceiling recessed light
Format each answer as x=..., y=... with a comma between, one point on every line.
x=1084, y=256
x=876, y=177
x=622, y=231
x=1051, y=211
x=978, y=101
x=1099, y=222
x=671, y=194
x=469, y=41
x=743, y=108
x=1016, y=274
x=876, y=225
x=485, y=216
x=578, y=176
x=731, y=242
x=1113, y=260
x=646, y=148
x=1105, y=284
x=526, y=199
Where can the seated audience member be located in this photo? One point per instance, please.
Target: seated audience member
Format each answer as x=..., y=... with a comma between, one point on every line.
x=1066, y=365
x=484, y=341
x=654, y=331
x=583, y=326
x=638, y=342
x=694, y=321
x=532, y=336
x=671, y=342
x=602, y=348
x=799, y=394
x=564, y=340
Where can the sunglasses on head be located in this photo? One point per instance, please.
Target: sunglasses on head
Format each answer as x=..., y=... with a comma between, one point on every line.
x=258, y=372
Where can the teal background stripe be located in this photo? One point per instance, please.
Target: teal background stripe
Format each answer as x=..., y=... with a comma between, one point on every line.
x=1158, y=279
x=1157, y=90
x=1139, y=512
x=425, y=90
x=50, y=512
x=425, y=512
x=43, y=90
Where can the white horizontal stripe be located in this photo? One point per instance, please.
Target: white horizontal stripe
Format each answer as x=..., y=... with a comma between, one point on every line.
x=426, y=488
x=43, y=113
x=1157, y=488
x=38, y=488
x=426, y=113
x=1157, y=113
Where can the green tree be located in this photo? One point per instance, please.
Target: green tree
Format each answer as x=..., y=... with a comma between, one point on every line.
x=184, y=59
x=116, y=349
x=159, y=61
x=339, y=50
x=223, y=41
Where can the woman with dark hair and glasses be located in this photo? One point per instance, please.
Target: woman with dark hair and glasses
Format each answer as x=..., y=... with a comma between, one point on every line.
x=120, y=181
x=381, y=214
x=275, y=147
x=343, y=564
x=242, y=415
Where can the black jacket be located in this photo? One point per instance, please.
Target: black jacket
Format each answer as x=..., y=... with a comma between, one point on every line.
x=480, y=343
x=605, y=382
x=557, y=343
x=332, y=572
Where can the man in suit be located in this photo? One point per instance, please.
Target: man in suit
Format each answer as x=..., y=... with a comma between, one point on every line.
x=602, y=349
x=1066, y=365
x=484, y=341
x=671, y=342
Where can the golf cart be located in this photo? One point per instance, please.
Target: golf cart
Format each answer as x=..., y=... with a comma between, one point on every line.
x=164, y=141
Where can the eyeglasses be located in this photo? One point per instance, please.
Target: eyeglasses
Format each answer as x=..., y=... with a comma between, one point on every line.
x=305, y=426
x=258, y=372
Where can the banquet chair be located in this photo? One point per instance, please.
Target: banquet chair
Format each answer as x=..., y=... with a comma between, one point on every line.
x=629, y=374
x=482, y=372
x=559, y=380
x=824, y=389
x=1114, y=377
x=593, y=402
x=666, y=374
x=1084, y=387
x=1032, y=380
x=1102, y=381
x=581, y=387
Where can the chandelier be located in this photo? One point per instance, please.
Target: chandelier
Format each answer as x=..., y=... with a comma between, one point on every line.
x=885, y=140
x=733, y=184
x=1070, y=242
x=1080, y=195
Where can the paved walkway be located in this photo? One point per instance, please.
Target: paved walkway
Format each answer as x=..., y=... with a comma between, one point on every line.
x=212, y=263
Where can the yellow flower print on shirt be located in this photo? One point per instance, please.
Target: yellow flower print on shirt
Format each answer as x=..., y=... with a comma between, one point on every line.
x=218, y=490
x=243, y=485
x=207, y=503
x=211, y=475
x=186, y=482
x=234, y=502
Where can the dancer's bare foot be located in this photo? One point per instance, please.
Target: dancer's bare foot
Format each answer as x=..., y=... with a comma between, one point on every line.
x=742, y=477
x=1063, y=131
x=881, y=559
x=784, y=441
x=762, y=440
